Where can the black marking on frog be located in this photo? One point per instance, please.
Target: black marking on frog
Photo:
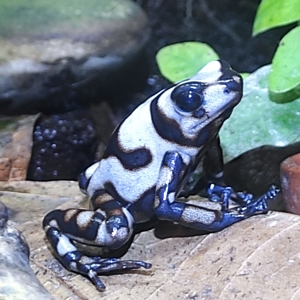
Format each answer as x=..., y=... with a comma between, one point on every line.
x=130, y=159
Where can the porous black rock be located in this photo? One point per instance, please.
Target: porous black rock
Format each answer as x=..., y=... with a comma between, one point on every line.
x=64, y=145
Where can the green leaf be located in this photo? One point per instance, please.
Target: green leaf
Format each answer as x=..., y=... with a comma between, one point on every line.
x=183, y=60
x=274, y=13
x=284, y=80
x=257, y=121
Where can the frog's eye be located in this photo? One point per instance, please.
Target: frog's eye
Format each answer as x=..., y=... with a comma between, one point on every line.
x=188, y=97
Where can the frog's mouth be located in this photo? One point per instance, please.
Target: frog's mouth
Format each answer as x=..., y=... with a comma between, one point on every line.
x=216, y=117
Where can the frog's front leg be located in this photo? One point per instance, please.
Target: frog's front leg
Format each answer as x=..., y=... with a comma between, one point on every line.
x=110, y=228
x=167, y=208
x=213, y=180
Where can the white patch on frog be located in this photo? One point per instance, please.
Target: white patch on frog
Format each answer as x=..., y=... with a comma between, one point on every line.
x=209, y=73
x=236, y=78
x=64, y=246
x=171, y=197
x=73, y=266
x=129, y=218
x=193, y=214
x=91, y=170
x=103, y=238
x=86, y=260
x=217, y=100
x=52, y=223
x=120, y=234
x=137, y=130
x=100, y=211
x=130, y=185
x=83, y=219
x=165, y=177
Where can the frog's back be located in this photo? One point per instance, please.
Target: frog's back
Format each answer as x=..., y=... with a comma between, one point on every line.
x=132, y=159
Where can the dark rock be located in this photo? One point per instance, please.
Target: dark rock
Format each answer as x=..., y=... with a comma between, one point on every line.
x=255, y=170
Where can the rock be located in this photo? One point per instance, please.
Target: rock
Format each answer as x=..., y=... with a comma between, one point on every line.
x=290, y=176
x=17, y=278
x=15, y=146
x=58, y=55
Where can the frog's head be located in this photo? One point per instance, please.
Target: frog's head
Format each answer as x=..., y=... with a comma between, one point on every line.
x=208, y=96
x=214, y=89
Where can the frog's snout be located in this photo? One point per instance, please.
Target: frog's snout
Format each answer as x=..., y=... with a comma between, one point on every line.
x=235, y=84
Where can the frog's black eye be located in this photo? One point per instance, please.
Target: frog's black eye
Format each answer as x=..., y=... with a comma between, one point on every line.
x=188, y=97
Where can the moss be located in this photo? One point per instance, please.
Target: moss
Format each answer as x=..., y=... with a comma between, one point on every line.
x=5, y=123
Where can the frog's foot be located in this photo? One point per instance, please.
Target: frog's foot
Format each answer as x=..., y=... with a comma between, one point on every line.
x=260, y=205
x=93, y=266
x=100, y=266
x=74, y=260
x=216, y=194
x=271, y=193
x=223, y=194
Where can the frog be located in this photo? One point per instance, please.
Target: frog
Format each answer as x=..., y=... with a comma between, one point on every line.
x=147, y=165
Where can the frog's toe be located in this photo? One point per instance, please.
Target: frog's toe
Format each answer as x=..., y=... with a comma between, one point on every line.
x=272, y=192
x=115, y=265
x=93, y=266
x=262, y=201
x=101, y=265
x=96, y=281
x=262, y=206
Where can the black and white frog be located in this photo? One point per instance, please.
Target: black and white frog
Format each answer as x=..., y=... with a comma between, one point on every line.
x=149, y=159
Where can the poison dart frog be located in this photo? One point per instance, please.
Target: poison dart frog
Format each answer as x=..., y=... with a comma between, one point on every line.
x=148, y=160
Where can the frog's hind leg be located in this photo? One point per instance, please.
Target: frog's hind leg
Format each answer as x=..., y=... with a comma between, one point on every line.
x=110, y=226
x=167, y=208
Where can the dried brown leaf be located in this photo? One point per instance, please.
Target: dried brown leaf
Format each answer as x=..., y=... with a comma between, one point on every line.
x=255, y=259
x=28, y=200
x=258, y=258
